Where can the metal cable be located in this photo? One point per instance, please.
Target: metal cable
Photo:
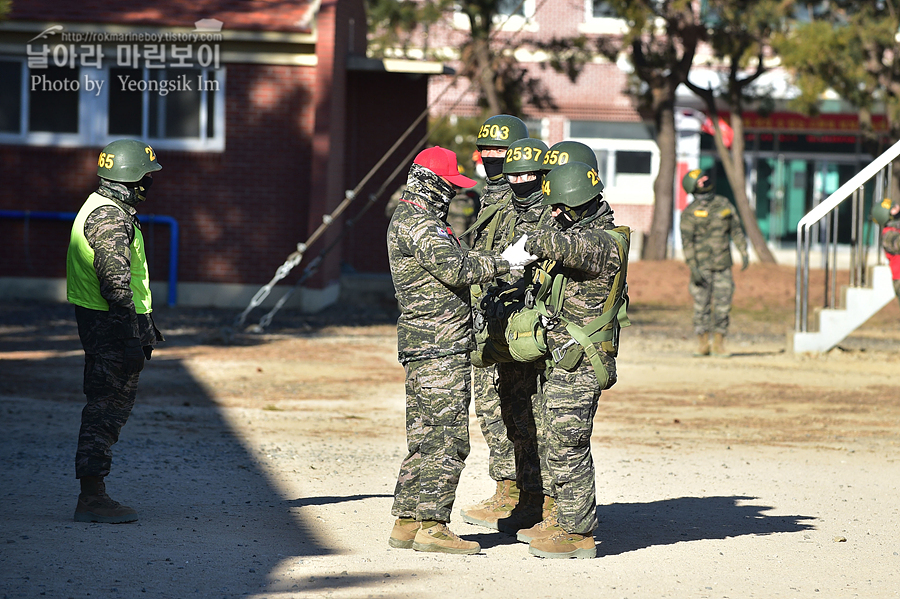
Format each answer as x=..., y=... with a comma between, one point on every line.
x=296, y=257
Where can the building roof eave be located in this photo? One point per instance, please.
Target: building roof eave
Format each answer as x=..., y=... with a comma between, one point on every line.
x=397, y=65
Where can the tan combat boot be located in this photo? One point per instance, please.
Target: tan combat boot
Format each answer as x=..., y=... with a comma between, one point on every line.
x=436, y=537
x=403, y=533
x=486, y=513
x=546, y=527
x=94, y=505
x=563, y=545
x=718, y=348
x=702, y=345
x=528, y=512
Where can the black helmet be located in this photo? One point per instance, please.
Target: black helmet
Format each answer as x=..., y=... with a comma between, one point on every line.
x=127, y=161
x=500, y=131
x=569, y=151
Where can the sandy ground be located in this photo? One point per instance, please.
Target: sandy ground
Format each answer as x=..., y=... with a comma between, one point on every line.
x=265, y=466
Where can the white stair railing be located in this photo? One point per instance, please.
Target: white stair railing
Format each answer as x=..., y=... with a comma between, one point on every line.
x=822, y=222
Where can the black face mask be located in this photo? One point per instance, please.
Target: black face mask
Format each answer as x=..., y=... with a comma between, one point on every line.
x=569, y=216
x=524, y=190
x=566, y=218
x=142, y=186
x=493, y=167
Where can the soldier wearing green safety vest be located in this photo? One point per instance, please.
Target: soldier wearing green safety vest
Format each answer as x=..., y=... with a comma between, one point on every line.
x=582, y=259
x=108, y=282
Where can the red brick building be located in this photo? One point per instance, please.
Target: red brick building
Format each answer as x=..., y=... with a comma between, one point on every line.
x=594, y=109
x=263, y=114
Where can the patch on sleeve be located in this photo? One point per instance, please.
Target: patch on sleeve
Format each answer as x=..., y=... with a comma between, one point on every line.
x=442, y=232
x=725, y=213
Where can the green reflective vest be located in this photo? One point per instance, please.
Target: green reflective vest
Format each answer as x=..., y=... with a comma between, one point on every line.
x=82, y=284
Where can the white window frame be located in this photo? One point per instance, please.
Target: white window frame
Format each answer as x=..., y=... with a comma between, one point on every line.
x=504, y=22
x=93, y=115
x=600, y=25
x=625, y=188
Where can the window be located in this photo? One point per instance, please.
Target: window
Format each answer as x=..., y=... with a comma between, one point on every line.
x=164, y=104
x=172, y=108
x=511, y=15
x=632, y=163
x=10, y=96
x=53, y=100
x=601, y=9
x=511, y=7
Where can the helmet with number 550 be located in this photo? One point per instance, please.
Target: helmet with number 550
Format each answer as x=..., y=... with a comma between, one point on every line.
x=563, y=152
x=127, y=161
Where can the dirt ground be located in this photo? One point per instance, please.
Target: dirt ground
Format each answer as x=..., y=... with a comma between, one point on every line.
x=263, y=465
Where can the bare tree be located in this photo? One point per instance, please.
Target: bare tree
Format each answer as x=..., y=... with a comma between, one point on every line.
x=661, y=41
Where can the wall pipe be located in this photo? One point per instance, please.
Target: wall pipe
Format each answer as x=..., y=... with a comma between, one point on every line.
x=144, y=218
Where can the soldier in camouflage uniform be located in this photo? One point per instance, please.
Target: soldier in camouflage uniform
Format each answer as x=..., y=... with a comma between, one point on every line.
x=887, y=214
x=708, y=226
x=580, y=239
x=432, y=274
x=497, y=387
x=515, y=385
x=108, y=282
x=460, y=216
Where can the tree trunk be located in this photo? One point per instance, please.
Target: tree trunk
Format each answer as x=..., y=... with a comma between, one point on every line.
x=656, y=245
x=733, y=163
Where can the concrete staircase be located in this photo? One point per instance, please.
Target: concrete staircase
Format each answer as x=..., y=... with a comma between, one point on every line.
x=860, y=304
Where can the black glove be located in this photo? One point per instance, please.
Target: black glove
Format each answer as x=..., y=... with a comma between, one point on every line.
x=148, y=349
x=132, y=355
x=697, y=277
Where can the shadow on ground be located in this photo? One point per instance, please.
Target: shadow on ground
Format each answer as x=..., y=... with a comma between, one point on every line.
x=207, y=510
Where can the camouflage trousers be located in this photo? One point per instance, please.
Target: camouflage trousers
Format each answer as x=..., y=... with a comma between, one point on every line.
x=437, y=437
x=897, y=289
x=564, y=410
x=712, y=301
x=109, y=389
x=503, y=397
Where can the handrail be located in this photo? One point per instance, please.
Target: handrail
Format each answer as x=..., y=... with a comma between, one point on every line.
x=844, y=191
x=148, y=218
x=878, y=169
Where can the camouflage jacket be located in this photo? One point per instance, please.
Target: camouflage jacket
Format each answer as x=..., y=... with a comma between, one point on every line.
x=708, y=225
x=494, y=233
x=432, y=272
x=589, y=258
x=110, y=230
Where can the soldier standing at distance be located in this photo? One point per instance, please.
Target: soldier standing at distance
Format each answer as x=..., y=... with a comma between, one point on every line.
x=108, y=282
x=887, y=215
x=432, y=274
x=708, y=226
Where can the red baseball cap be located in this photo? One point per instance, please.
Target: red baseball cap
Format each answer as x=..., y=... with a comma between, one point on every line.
x=442, y=162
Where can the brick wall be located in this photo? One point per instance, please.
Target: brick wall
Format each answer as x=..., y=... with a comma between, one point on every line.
x=240, y=212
